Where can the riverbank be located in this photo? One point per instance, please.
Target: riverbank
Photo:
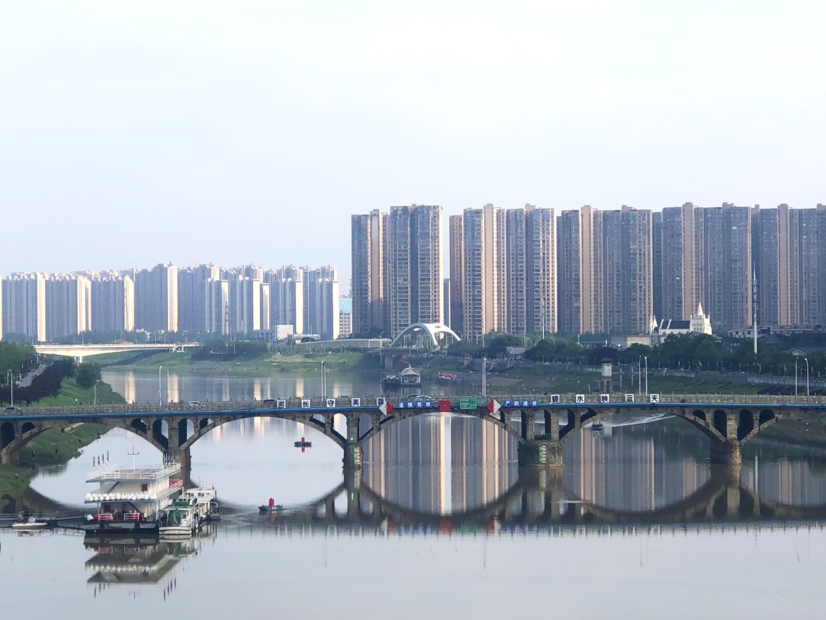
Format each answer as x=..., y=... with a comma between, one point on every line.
x=57, y=446
x=520, y=377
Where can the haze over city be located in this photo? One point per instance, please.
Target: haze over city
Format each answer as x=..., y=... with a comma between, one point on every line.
x=139, y=133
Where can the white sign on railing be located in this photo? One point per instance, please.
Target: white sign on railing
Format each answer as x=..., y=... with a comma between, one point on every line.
x=629, y=398
x=356, y=402
x=655, y=398
x=305, y=403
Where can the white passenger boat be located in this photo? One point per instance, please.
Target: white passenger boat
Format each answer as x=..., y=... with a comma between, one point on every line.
x=132, y=499
x=181, y=519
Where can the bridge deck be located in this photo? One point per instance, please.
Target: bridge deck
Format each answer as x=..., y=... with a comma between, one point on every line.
x=371, y=404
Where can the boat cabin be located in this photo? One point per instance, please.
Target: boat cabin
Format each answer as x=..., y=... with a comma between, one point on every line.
x=133, y=495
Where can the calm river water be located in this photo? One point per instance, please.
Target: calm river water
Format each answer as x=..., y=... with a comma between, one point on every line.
x=441, y=525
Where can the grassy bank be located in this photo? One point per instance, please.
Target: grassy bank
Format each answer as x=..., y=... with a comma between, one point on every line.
x=57, y=445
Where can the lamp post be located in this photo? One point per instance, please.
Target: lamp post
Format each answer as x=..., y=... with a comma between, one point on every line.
x=160, y=391
x=646, y=375
x=10, y=376
x=639, y=377
x=323, y=382
x=796, y=357
x=806, y=359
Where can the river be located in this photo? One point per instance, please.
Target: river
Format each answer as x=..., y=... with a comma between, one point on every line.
x=441, y=525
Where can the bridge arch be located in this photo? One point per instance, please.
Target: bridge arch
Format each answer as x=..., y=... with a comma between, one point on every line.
x=434, y=331
x=138, y=427
x=382, y=422
x=13, y=438
x=204, y=424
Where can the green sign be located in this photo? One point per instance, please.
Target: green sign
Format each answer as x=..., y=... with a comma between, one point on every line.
x=467, y=403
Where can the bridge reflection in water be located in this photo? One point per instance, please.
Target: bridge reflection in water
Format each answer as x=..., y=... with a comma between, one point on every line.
x=455, y=474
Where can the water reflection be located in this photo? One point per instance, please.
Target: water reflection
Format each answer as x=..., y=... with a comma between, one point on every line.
x=144, y=560
x=169, y=386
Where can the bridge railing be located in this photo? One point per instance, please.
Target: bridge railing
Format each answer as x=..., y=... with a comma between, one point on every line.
x=514, y=401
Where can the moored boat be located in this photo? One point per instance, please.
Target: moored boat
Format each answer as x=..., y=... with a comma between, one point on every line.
x=131, y=499
x=180, y=519
x=207, y=505
x=29, y=523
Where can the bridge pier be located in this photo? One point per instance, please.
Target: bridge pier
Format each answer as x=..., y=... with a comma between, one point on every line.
x=541, y=453
x=725, y=453
x=184, y=457
x=9, y=457
x=352, y=450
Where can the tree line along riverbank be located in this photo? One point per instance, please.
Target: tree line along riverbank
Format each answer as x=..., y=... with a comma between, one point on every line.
x=514, y=374
x=61, y=383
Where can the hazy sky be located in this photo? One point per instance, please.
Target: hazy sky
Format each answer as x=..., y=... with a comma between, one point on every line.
x=139, y=132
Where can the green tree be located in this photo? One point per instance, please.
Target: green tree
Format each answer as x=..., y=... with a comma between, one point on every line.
x=499, y=345
x=88, y=373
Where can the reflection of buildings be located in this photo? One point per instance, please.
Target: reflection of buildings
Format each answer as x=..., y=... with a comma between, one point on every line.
x=440, y=464
x=633, y=469
x=796, y=482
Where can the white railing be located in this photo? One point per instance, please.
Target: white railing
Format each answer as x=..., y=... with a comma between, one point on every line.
x=143, y=472
x=174, y=486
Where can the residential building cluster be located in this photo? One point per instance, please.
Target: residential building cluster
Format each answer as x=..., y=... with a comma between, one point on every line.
x=622, y=271
x=229, y=302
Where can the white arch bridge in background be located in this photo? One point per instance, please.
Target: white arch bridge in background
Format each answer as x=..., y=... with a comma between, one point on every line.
x=434, y=330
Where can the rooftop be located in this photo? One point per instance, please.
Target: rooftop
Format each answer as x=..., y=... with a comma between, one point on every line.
x=142, y=473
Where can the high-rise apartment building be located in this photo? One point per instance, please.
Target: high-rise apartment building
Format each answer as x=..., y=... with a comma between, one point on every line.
x=681, y=270
x=457, y=274
x=68, y=306
x=321, y=308
x=484, y=262
x=605, y=266
x=113, y=303
x=244, y=306
x=541, y=272
x=218, y=314
x=397, y=268
x=24, y=306
x=287, y=295
x=413, y=266
x=193, y=296
x=657, y=263
x=368, y=284
x=569, y=268
x=637, y=259
x=345, y=313
x=506, y=261
x=727, y=291
x=156, y=299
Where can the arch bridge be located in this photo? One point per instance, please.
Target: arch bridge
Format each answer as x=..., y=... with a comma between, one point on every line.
x=540, y=428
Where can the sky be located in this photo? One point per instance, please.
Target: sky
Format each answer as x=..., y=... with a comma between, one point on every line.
x=140, y=132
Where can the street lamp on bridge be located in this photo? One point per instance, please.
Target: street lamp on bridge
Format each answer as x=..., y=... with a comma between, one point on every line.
x=797, y=356
x=806, y=359
x=646, y=375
